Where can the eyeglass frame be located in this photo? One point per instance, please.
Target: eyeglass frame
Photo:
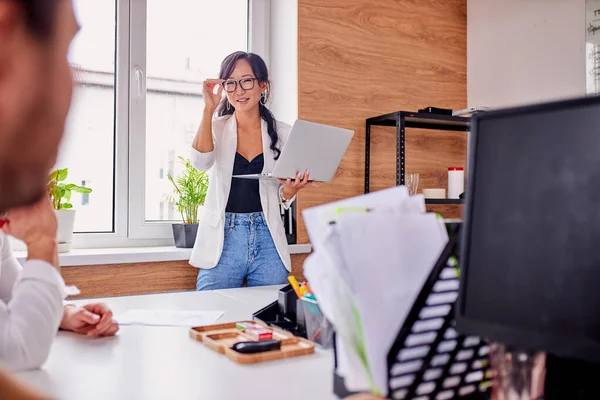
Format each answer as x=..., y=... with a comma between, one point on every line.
x=239, y=82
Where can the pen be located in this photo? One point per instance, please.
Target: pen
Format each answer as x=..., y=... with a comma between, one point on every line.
x=295, y=285
x=308, y=291
x=310, y=296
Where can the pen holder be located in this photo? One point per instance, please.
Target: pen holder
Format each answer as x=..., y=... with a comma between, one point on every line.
x=318, y=328
x=286, y=313
x=288, y=302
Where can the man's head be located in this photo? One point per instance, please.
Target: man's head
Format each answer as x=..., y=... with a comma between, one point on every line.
x=35, y=93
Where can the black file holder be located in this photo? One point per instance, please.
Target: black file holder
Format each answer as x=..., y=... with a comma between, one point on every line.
x=435, y=363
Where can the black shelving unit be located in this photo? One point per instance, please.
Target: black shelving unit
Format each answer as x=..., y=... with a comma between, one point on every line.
x=444, y=201
x=289, y=223
x=406, y=119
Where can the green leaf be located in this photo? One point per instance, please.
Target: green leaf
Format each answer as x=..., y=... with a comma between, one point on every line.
x=61, y=191
x=62, y=174
x=81, y=189
x=189, y=190
x=54, y=175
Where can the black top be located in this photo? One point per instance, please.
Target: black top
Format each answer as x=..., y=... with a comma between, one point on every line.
x=244, y=196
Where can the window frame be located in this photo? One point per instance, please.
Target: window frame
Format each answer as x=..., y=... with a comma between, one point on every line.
x=119, y=236
x=258, y=40
x=130, y=226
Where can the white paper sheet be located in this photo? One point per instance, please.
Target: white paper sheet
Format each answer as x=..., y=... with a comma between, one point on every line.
x=389, y=258
x=317, y=218
x=168, y=317
x=336, y=303
x=374, y=264
x=72, y=290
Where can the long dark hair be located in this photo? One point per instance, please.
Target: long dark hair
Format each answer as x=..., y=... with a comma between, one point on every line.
x=259, y=68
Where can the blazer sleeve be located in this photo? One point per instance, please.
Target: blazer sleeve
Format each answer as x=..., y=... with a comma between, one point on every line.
x=283, y=131
x=204, y=161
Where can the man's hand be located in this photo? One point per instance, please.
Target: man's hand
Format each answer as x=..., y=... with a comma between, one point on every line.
x=36, y=226
x=93, y=319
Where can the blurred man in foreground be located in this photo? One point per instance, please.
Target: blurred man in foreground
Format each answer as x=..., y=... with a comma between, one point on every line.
x=35, y=95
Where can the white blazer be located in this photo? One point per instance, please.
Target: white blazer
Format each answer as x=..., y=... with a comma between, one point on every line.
x=219, y=164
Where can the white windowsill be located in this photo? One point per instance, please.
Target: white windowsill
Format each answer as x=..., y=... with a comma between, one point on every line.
x=134, y=255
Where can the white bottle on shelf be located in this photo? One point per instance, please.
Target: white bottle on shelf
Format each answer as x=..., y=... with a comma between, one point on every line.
x=456, y=182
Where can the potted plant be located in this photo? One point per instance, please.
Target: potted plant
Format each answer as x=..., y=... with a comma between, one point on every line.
x=60, y=195
x=189, y=193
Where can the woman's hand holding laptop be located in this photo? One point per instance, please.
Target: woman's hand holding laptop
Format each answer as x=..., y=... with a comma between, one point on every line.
x=292, y=187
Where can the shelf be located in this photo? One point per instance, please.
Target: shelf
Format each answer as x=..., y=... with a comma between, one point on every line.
x=423, y=121
x=444, y=201
x=403, y=120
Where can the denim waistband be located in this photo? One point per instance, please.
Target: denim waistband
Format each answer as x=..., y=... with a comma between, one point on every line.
x=244, y=219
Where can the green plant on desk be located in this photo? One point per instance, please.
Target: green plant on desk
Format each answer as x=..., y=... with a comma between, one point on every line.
x=60, y=192
x=189, y=191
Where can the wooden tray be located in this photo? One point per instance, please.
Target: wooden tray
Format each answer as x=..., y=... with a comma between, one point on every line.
x=222, y=336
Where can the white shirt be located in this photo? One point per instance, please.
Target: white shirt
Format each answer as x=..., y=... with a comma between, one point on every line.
x=31, y=308
x=219, y=164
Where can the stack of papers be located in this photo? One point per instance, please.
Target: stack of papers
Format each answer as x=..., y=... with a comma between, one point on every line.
x=372, y=255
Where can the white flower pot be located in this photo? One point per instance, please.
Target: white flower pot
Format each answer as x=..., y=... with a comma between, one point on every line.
x=64, y=234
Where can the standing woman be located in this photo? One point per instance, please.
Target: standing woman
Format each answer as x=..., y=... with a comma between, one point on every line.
x=241, y=234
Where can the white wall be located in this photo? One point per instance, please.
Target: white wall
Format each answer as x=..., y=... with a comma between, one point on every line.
x=524, y=51
x=284, y=59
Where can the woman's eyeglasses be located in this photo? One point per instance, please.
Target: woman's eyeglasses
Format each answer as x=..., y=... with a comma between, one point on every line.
x=246, y=84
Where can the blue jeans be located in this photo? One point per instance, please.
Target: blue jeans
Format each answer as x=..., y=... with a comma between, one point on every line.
x=248, y=252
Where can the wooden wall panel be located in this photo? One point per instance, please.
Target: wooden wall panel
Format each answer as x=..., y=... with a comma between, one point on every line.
x=448, y=211
x=298, y=266
x=358, y=59
x=141, y=278
x=428, y=153
x=134, y=278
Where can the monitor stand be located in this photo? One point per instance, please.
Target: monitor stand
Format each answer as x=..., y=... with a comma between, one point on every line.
x=568, y=379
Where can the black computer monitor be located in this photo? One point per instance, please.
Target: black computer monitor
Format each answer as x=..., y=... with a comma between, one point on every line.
x=530, y=253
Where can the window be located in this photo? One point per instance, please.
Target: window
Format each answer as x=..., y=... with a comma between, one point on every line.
x=205, y=33
x=139, y=67
x=185, y=42
x=88, y=146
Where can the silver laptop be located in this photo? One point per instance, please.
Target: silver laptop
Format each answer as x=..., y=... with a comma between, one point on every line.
x=316, y=147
